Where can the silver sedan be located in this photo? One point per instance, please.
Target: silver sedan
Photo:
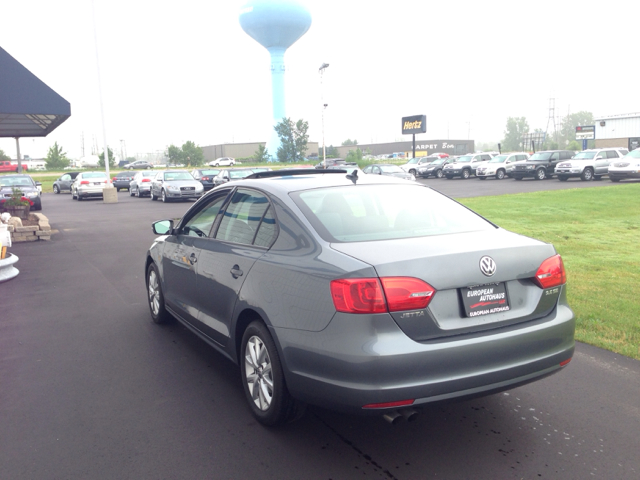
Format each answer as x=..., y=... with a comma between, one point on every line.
x=175, y=185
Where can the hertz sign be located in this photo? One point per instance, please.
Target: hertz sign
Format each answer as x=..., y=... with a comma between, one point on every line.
x=414, y=124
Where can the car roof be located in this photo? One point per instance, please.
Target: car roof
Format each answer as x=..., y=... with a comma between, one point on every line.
x=284, y=184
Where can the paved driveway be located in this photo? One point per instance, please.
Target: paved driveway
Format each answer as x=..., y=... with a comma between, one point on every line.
x=91, y=389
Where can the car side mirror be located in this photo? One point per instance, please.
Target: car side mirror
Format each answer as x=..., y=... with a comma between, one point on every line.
x=598, y=157
x=162, y=227
x=38, y=184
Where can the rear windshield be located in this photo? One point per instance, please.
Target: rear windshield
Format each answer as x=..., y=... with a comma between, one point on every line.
x=94, y=175
x=381, y=212
x=240, y=173
x=210, y=172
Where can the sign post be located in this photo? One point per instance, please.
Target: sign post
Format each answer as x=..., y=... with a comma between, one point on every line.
x=412, y=125
x=584, y=133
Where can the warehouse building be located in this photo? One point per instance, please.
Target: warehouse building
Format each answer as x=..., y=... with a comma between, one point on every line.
x=618, y=131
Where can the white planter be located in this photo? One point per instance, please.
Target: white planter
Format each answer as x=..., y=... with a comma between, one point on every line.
x=7, y=270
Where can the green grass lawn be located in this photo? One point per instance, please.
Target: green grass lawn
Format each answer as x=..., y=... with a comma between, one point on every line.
x=597, y=232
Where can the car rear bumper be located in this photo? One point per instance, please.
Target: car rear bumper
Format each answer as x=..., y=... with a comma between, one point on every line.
x=90, y=191
x=337, y=369
x=623, y=175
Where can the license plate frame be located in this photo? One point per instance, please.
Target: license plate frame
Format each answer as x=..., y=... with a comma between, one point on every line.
x=485, y=299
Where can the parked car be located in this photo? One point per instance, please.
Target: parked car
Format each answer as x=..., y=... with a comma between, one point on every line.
x=122, y=180
x=231, y=175
x=330, y=162
x=27, y=185
x=540, y=165
x=626, y=167
x=222, y=162
x=375, y=298
x=138, y=165
x=140, y=185
x=205, y=176
x=88, y=184
x=175, y=185
x=465, y=165
x=414, y=164
x=388, y=170
x=434, y=168
x=588, y=164
x=63, y=183
x=498, y=165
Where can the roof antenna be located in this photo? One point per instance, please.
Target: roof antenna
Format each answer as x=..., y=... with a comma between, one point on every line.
x=353, y=176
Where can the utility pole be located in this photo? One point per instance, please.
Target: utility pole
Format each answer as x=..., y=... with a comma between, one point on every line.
x=324, y=105
x=552, y=118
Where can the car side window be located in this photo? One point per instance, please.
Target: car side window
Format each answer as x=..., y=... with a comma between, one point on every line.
x=267, y=230
x=243, y=217
x=65, y=177
x=612, y=154
x=201, y=223
x=555, y=156
x=565, y=155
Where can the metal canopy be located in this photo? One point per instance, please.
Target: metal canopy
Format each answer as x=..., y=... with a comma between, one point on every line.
x=28, y=107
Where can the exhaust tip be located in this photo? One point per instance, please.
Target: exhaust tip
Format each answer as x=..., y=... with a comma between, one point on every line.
x=393, y=417
x=409, y=413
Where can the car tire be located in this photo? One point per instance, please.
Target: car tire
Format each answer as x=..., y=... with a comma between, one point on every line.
x=563, y=178
x=587, y=175
x=518, y=178
x=73, y=197
x=438, y=174
x=482, y=178
x=263, y=379
x=449, y=177
x=78, y=197
x=148, y=168
x=163, y=197
x=615, y=180
x=597, y=177
x=155, y=297
x=131, y=192
x=37, y=206
x=117, y=189
x=541, y=174
x=152, y=195
x=500, y=175
x=413, y=172
x=466, y=174
x=56, y=189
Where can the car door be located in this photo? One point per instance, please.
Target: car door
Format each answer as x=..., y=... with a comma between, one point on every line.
x=156, y=184
x=243, y=233
x=64, y=182
x=602, y=164
x=553, y=161
x=180, y=259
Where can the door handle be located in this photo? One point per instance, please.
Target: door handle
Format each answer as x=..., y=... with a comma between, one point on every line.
x=192, y=258
x=236, y=272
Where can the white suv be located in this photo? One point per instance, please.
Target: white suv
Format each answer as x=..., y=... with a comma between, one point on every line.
x=589, y=164
x=499, y=165
x=222, y=162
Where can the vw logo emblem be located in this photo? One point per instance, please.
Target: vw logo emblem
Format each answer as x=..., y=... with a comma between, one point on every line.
x=487, y=266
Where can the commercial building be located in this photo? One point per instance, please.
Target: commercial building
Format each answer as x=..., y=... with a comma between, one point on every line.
x=423, y=148
x=618, y=131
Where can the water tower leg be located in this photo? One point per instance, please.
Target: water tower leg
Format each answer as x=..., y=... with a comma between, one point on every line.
x=277, y=97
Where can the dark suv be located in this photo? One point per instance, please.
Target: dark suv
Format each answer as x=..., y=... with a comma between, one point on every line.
x=541, y=165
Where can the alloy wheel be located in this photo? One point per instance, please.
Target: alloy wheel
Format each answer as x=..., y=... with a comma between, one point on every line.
x=259, y=375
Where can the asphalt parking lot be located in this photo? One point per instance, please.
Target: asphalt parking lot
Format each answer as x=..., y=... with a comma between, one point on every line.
x=90, y=388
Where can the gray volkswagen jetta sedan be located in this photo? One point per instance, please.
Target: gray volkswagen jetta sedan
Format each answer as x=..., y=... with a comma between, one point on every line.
x=367, y=294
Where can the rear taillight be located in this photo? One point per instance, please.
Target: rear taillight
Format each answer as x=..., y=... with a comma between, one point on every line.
x=84, y=182
x=399, y=403
x=358, y=295
x=146, y=179
x=406, y=293
x=205, y=178
x=551, y=273
x=369, y=295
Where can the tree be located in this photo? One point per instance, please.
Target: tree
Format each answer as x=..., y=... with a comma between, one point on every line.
x=112, y=158
x=192, y=155
x=293, y=140
x=348, y=142
x=261, y=155
x=516, y=128
x=354, y=155
x=332, y=152
x=174, y=154
x=56, y=159
x=4, y=156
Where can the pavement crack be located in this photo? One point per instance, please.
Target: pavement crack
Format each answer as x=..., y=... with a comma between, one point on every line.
x=360, y=453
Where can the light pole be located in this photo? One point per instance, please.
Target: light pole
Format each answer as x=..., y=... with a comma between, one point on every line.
x=324, y=105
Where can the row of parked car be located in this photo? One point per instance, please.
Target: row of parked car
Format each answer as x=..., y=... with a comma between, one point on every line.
x=165, y=184
x=588, y=165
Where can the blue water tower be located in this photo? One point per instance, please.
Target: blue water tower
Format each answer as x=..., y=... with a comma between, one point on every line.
x=276, y=25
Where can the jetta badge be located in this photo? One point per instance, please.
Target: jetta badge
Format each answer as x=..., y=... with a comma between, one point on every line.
x=487, y=266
